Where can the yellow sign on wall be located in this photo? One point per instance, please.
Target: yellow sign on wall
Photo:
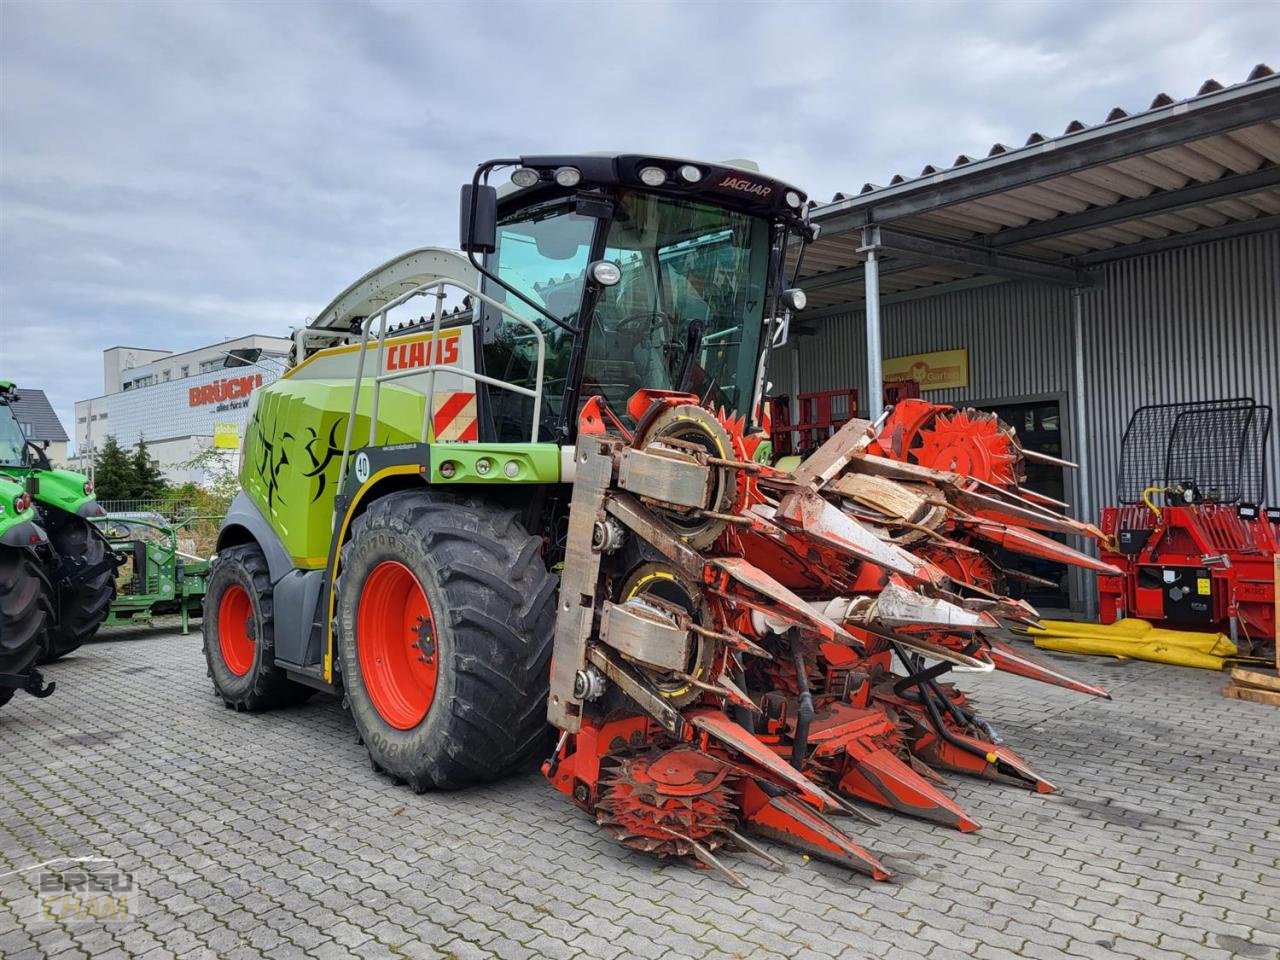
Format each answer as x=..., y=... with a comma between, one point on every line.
x=940, y=370
x=226, y=436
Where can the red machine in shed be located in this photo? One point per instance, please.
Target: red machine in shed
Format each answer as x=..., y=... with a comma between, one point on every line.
x=1191, y=531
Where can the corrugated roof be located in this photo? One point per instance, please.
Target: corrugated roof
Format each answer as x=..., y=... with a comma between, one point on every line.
x=1206, y=166
x=33, y=410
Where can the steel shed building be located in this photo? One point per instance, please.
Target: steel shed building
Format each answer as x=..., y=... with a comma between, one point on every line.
x=1123, y=264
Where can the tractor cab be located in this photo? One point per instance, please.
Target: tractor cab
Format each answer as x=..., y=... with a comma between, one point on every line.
x=639, y=273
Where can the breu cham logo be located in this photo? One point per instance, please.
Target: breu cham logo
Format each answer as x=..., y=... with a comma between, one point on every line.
x=96, y=892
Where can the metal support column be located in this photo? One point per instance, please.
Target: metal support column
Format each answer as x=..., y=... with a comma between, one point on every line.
x=1084, y=499
x=875, y=374
x=795, y=380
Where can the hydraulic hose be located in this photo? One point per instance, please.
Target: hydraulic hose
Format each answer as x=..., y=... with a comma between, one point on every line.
x=935, y=718
x=804, y=713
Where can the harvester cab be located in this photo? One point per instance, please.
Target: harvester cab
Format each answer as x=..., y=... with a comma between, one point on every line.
x=545, y=500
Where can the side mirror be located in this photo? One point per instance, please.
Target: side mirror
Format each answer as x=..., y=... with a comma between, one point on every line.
x=794, y=299
x=479, y=219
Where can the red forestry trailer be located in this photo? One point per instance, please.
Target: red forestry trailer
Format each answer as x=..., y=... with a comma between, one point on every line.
x=1191, y=530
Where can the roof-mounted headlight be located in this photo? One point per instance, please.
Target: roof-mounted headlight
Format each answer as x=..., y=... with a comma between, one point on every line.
x=568, y=176
x=525, y=176
x=690, y=174
x=793, y=199
x=653, y=176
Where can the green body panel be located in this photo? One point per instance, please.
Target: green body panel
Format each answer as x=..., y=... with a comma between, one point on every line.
x=62, y=489
x=534, y=462
x=293, y=450
x=10, y=490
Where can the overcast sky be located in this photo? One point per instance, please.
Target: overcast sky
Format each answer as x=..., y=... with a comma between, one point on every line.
x=176, y=173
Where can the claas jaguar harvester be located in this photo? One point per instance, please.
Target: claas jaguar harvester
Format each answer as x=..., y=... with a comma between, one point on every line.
x=543, y=501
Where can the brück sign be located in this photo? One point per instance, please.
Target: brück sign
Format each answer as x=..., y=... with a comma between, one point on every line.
x=230, y=388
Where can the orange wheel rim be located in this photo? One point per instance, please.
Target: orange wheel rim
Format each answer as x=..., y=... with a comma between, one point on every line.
x=235, y=610
x=396, y=644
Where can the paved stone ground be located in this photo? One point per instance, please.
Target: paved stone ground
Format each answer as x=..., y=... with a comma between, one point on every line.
x=269, y=836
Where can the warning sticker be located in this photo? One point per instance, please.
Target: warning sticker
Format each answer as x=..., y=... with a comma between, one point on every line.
x=1204, y=586
x=455, y=417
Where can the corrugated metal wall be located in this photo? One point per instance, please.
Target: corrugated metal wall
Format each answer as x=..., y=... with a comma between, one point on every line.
x=1197, y=323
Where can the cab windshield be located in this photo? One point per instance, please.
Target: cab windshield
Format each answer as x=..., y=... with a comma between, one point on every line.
x=686, y=315
x=13, y=441
x=688, y=311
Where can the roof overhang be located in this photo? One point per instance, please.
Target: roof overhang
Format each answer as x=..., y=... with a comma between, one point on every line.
x=1177, y=173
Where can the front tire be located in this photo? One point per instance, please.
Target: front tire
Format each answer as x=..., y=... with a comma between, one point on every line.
x=81, y=609
x=25, y=613
x=238, y=626
x=445, y=613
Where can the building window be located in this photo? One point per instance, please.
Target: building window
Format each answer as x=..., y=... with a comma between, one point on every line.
x=186, y=370
x=165, y=376
x=216, y=364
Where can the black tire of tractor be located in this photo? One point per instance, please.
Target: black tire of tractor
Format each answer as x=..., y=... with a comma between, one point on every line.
x=26, y=610
x=265, y=686
x=81, y=610
x=493, y=603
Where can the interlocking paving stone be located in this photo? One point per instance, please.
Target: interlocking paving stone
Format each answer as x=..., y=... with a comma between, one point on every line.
x=268, y=836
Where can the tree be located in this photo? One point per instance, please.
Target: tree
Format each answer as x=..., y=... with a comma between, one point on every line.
x=220, y=484
x=113, y=476
x=148, y=482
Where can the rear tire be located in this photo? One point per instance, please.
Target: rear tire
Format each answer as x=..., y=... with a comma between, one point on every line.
x=480, y=601
x=80, y=610
x=25, y=613
x=238, y=626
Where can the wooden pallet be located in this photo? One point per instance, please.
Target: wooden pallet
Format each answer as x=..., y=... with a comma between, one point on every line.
x=1255, y=686
x=1258, y=686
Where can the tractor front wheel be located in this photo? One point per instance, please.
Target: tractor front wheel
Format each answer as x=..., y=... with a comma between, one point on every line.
x=238, y=625
x=25, y=613
x=444, y=624
x=84, y=603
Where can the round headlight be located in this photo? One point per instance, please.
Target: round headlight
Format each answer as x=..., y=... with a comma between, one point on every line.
x=448, y=469
x=793, y=199
x=690, y=174
x=525, y=177
x=653, y=176
x=605, y=272
x=568, y=176
x=794, y=299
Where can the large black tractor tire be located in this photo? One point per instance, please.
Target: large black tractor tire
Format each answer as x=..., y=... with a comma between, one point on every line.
x=445, y=616
x=81, y=607
x=238, y=626
x=26, y=611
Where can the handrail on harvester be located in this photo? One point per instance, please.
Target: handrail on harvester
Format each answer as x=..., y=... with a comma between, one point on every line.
x=439, y=286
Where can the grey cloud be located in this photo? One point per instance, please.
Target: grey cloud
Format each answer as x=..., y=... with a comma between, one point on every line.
x=174, y=173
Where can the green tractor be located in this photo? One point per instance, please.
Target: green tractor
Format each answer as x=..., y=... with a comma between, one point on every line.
x=57, y=572
x=25, y=611
x=406, y=492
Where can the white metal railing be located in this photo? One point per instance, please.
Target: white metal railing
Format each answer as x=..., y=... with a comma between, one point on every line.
x=438, y=286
